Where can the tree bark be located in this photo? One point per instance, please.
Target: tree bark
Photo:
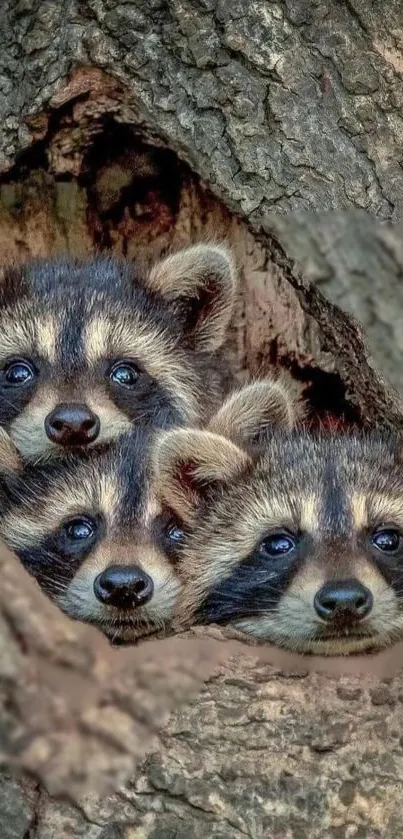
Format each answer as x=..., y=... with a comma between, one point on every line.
x=137, y=127
x=292, y=105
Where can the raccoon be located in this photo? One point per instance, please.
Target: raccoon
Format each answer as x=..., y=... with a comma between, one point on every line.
x=298, y=542
x=87, y=349
x=89, y=528
x=86, y=527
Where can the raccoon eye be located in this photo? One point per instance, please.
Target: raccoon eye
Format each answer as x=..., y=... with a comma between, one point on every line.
x=79, y=529
x=387, y=540
x=174, y=533
x=125, y=375
x=278, y=544
x=18, y=372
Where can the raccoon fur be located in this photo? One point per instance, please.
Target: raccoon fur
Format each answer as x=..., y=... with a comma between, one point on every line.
x=86, y=528
x=88, y=349
x=89, y=528
x=298, y=541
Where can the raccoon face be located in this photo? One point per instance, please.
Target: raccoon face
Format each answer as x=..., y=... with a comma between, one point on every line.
x=87, y=530
x=89, y=349
x=301, y=545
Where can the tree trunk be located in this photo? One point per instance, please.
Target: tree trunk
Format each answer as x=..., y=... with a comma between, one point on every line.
x=142, y=126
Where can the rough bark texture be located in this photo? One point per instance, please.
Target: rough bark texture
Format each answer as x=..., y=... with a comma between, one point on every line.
x=293, y=105
x=358, y=264
x=140, y=126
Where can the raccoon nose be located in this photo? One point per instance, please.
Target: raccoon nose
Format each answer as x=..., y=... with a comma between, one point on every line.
x=72, y=425
x=123, y=586
x=343, y=600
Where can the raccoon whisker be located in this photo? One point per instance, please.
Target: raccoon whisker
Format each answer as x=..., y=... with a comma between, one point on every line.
x=141, y=416
x=57, y=584
x=398, y=580
x=141, y=626
x=130, y=619
x=264, y=596
x=394, y=633
x=45, y=457
x=51, y=572
x=49, y=581
x=114, y=636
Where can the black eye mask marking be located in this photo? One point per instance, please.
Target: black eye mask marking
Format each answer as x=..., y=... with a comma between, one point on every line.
x=386, y=548
x=139, y=396
x=18, y=379
x=57, y=559
x=255, y=585
x=169, y=534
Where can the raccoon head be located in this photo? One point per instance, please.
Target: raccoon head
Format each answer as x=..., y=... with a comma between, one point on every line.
x=87, y=529
x=89, y=349
x=188, y=466
x=300, y=544
x=244, y=419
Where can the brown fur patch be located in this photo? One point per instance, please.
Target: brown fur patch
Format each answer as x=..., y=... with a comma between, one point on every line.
x=97, y=338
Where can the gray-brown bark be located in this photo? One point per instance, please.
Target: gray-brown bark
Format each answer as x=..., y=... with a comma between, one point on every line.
x=358, y=264
x=293, y=105
x=137, y=126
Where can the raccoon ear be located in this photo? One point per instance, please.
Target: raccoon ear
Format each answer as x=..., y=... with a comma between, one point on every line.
x=188, y=463
x=202, y=281
x=10, y=459
x=247, y=414
x=13, y=285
